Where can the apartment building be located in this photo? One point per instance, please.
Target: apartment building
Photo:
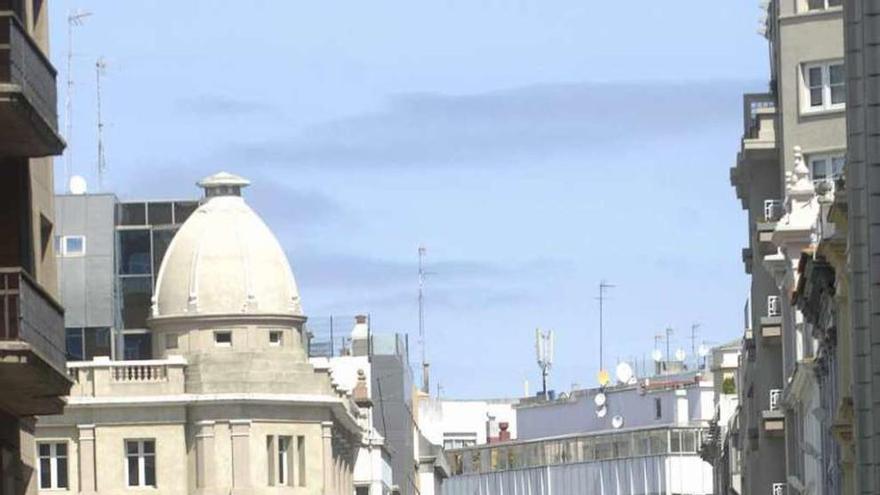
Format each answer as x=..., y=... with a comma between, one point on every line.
x=32, y=374
x=794, y=140
x=863, y=189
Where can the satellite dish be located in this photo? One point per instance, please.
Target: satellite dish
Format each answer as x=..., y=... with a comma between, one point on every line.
x=657, y=355
x=600, y=399
x=703, y=350
x=77, y=185
x=617, y=422
x=601, y=412
x=680, y=355
x=604, y=378
x=624, y=372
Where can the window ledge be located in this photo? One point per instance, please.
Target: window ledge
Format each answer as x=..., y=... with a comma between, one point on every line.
x=823, y=112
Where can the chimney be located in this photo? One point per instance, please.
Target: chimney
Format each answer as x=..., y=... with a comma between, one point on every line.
x=504, y=435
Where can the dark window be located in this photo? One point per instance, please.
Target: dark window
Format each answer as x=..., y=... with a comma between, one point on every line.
x=182, y=210
x=97, y=342
x=362, y=490
x=137, y=346
x=134, y=252
x=74, y=344
x=161, y=240
x=159, y=213
x=136, y=292
x=132, y=214
x=223, y=338
x=658, y=409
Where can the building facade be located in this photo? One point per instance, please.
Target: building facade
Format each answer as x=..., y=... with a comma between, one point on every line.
x=32, y=374
x=229, y=403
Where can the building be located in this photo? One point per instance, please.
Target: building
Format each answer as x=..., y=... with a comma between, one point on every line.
x=32, y=374
x=641, y=437
x=863, y=188
x=465, y=423
x=794, y=136
x=720, y=446
x=229, y=403
x=109, y=252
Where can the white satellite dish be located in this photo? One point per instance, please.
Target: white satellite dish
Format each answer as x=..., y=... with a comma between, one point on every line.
x=680, y=355
x=600, y=399
x=703, y=350
x=657, y=355
x=602, y=411
x=624, y=372
x=77, y=185
x=617, y=422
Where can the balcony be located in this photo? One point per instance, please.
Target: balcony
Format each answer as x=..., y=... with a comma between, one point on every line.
x=771, y=324
x=28, y=96
x=774, y=418
x=103, y=378
x=32, y=372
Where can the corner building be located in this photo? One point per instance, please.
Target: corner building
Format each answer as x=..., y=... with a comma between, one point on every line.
x=230, y=403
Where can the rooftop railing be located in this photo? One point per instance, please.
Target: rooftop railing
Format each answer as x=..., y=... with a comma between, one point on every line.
x=753, y=104
x=622, y=444
x=102, y=377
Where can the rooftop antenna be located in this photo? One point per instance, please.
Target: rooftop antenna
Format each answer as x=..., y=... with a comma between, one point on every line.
x=74, y=18
x=694, y=332
x=669, y=332
x=100, y=68
x=603, y=286
x=423, y=341
x=544, y=351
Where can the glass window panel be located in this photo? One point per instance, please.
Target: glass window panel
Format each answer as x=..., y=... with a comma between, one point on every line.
x=688, y=442
x=74, y=245
x=161, y=240
x=45, y=473
x=820, y=168
x=838, y=94
x=61, y=449
x=837, y=163
x=97, y=342
x=133, y=475
x=131, y=447
x=675, y=441
x=814, y=77
x=134, y=252
x=62, y=470
x=150, y=470
x=137, y=346
x=159, y=213
x=836, y=74
x=834, y=3
x=45, y=450
x=816, y=97
x=183, y=209
x=815, y=4
x=136, y=292
x=132, y=214
x=149, y=447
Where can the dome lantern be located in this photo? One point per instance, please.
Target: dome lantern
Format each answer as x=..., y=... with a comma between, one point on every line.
x=223, y=184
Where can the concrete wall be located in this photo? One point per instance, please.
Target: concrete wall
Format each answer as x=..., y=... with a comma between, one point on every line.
x=87, y=281
x=392, y=416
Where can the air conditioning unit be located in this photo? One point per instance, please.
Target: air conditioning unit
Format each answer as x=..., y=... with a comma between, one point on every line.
x=773, y=308
x=778, y=489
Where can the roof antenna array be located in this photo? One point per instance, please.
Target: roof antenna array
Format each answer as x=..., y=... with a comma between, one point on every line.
x=100, y=68
x=74, y=18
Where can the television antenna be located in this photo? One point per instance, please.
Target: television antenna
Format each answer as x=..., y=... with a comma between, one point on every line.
x=544, y=351
x=100, y=69
x=603, y=287
x=74, y=18
x=423, y=341
x=694, y=331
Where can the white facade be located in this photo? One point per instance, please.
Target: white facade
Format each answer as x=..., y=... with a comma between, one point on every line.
x=464, y=423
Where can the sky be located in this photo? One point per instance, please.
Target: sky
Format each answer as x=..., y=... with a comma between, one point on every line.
x=535, y=147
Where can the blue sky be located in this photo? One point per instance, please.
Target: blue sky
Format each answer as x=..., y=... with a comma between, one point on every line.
x=535, y=147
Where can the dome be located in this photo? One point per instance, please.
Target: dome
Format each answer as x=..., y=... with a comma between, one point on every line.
x=224, y=260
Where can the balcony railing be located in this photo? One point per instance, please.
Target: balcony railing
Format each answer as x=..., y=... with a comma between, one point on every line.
x=753, y=105
x=30, y=315
x=102, y=377
x=775, y=399
x=27, y=79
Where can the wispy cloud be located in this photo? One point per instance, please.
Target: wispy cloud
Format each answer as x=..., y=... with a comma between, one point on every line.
x=494, y=128
x=207, y=105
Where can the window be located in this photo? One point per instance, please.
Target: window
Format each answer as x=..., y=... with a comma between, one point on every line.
x=275, y=337
x=301, y=460
x=824, y=86
x=137, y=345
x=135, y=293
x=83, y=344
x=134, y=252
x=70, y=245
x=53, y=465
x=141, y=462
x=284, y=460
x=826, y=168
x=223, y=338
x=658, y=408
x=822, y=4
x=159, y=213
x=132, y=214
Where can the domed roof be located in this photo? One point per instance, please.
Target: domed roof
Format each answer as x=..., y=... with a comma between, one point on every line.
x=225, y=261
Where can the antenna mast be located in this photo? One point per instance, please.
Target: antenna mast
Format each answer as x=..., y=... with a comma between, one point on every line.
x=544, y=351
x=74, y=18
x=422, y=340
x=603, y=286
x=694, y=329
x=100, y=67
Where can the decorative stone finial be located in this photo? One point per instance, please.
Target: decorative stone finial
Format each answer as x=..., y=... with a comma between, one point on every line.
x=360, y=394
x=800, y=185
